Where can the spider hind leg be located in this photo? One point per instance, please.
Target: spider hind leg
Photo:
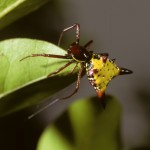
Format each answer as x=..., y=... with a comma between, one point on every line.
x=77, y=84
x=61, y=68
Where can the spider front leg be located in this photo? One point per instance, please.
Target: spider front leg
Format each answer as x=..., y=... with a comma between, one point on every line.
x=46, y=55
x=88, y=44
x=77, y=26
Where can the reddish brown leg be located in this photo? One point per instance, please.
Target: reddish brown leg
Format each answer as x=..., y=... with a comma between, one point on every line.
x=88, y=44
x=74, y=68
x=60, y=69
x=47, y=55
x=77, y=26
x=77, y=84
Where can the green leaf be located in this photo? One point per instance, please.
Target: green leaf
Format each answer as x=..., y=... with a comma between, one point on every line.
x=85, y=125
x=25, y=83
x=11, y=10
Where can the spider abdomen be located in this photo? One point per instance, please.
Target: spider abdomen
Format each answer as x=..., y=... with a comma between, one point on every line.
x=101, y=72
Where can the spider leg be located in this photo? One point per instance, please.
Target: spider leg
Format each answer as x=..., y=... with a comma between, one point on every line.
x=88, y=44
x=46, y=55
x=77, y=84
x=61, y=68
x=77, y=26
x=74, y=68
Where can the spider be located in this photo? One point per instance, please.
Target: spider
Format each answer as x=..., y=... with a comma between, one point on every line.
x=99, y=68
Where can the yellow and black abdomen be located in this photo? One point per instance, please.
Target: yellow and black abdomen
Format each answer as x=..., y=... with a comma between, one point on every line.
x=100, y=72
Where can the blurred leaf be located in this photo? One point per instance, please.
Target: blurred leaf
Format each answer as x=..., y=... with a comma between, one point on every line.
x=11, y=10
x=25, y=83
x=85, y=126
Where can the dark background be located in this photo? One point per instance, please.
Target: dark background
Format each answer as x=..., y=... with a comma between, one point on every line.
x=121, y=28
